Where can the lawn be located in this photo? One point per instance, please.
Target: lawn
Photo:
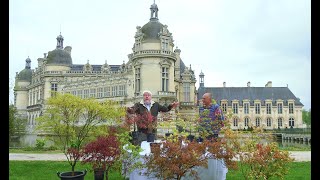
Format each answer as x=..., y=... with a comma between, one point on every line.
x=47, y=170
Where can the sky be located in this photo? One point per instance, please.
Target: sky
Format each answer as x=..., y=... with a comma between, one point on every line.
x=229, y=41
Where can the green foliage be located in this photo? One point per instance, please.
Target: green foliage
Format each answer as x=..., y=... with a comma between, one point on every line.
x=17, y=125
x=306, y=116
x=264, y=159
x=40, y=143
x=12, y=112
x=73, y=121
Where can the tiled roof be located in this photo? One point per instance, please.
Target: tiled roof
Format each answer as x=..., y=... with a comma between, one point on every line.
x=251, y=93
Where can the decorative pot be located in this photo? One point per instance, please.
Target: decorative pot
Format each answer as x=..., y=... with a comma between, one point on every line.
x=99, y=174
x=154, y=146
x=190, y=137
x=168, y=134
x=78, y=175
x=150, y=137
x=135, y=138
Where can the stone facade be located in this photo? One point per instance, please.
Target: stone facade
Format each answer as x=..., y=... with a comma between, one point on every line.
x=268, y=107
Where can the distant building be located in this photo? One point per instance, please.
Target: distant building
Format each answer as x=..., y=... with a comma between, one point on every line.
x=152, y=65
x=268, y=107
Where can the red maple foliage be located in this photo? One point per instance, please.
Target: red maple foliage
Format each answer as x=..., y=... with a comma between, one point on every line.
x=102, y=153
x=143, y=121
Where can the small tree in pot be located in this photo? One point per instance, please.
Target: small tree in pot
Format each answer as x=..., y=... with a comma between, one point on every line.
x=102, y=154
x=146, y=123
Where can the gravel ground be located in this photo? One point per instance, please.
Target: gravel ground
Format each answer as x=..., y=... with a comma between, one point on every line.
x=297, y=155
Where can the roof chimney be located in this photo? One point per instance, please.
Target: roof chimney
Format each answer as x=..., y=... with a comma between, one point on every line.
x=224, y=84
x=248, y=84
x=269, y=84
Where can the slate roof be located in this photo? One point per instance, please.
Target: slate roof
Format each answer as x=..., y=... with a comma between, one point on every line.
x=151, y=30
x=251, y=93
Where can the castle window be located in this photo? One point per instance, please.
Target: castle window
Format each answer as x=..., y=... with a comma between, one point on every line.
x=34, y=98
x=74, y=92
x=290, y=108
x=106, y=91
x=291, y=122
x=257, y=108
x=100, y=92
x=114, y=91
x=246, y=121
x=224, y=107
x=122, y=90
x=235, y=121
x=92, y=92
x=165, y=44
x=279, y=108
x=137, y=79
x=186, y=92
x=279, y=122
x=258, y=122
x=54, y=89
x=269, y=122
x=235, y=108
x=268, y=106
x=79, y=93
x=30, y=97
x=165, y=79
x=246, y=108
x=86, y=93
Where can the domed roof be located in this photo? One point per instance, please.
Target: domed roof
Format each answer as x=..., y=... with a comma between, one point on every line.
x=60, y=57
x=151, y=30
x=25, y=75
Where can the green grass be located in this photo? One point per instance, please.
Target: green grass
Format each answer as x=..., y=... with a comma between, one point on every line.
x=47, y=170
x=297, y=171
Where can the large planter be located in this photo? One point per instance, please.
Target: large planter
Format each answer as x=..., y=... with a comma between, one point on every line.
x=78, y=175
x=99, y=174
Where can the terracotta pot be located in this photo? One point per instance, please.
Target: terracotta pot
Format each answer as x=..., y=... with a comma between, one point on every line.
x=154, y=146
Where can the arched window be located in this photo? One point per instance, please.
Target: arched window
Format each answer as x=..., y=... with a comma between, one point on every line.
x=258, y=122
x=246, y=121
x=235, y=121
x=291, y=122
x=269, y=122
x=279, y=122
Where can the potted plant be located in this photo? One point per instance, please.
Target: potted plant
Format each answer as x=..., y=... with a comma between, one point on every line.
x=148, y=122
x=174, y=160
x=102, y=154
x=166, y=122
x=72, y=121
x=145, y=122
x=130, y=121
